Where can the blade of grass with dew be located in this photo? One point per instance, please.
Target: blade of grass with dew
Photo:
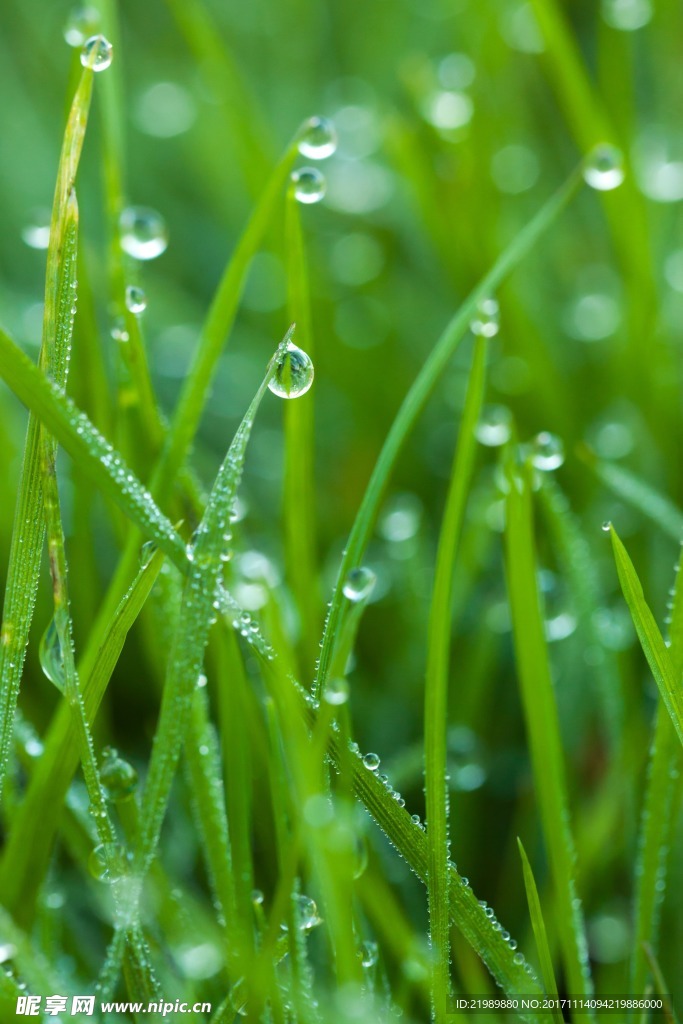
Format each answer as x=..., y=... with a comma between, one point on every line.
x=27, y=538
x=658, y=813
x=299, y=499
x=655, y=650
x=29, y=843
x=639, y=494
x=417, y=398
x=579, y=568
x=538, y=924
x=542, y=723
x=197, y=612
x=436, y=684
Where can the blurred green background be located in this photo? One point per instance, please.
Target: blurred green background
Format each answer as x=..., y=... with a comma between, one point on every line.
x=455, y=120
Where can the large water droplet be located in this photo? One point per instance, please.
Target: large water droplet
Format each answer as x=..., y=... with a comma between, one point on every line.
x=359, y=584
x=604, y=168
x=606, y=526
x=293, y=375
x=368, y=954
x=318, y=138
x=136, y=300
x=97, y=53
x=309, y=185
x=336, y=692
x=495, y=426
x=371, y=761
x=486, y=320
x=108, y=862
x=547, y=452
x=306, y=913
x=81, y=24
x=52, y=657
x=118, y=777
x=143, y=232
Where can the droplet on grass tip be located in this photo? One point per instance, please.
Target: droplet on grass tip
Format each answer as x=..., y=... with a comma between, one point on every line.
x=147, y=552
x=336, y=692
x=318, y=138
x=495, y=426
x=143, y=232
x=604, y=168
x=293, y=375
x=118, y=777
x=607, y=526
x=81, y=24
x=136, y=300
x=547, y=452
x=309, y=185
x=371, y=762
x=256, y=897
x=486, y=320
x=52, y=657
x=368, y=954
x=97, y=53
x=359, y=584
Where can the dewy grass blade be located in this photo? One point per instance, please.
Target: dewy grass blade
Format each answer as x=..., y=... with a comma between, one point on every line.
x=542, y=724
x=655, y=650
x=27, y=537
x=436, y=685
x=417, y=398
x=540, y=934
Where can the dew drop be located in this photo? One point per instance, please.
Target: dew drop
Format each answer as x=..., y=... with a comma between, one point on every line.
x=359, y=584
x=256, y=897
x=136, y=300
x=97, y=53
x=368, y=954
x=371, y=762
x=108, y=862
x=606, y=526
x=238, y=997
x=143, y=232
x=118, y=777
x=495, y=426
x=81, y=24
x=318, y=138
x=486, y=320
x=604, y=168
x=547, y=452
x=307, y=913
x=52, y=657
x=518, y=959
x=293, y=375
x=336, y=692
x=309, y=185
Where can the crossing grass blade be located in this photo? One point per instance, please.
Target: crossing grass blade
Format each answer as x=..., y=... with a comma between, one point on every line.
x=415, y=401
x=540, y=934
x=436, y=685
x=542, y=724
x=655, y=650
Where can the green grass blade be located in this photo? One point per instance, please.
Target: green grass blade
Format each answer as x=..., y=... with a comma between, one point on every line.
x=436, y=685
x=540, y=934
x=543, y=729
x=651, y=641
x=417, y=398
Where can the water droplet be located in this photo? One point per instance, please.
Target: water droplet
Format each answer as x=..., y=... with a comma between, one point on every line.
x=238, y=997
x=368, y=954
x=627, y=15
x=201, y=681
x=143, y=232
x=547, y=452
x=518, y=959
x=607, y=526
x=309, y=185
x=495, y=426
x=118, y=777
x=306, y=913
x=108, y=862
x=97, y=53
x=318, y=138
x=371, y=761
x=147, y=552
x=293, y=374
x=486, y=320
x=52, y=657
x=136, y=300
x=7, y=952
x=415, y=818
x=336, y=692
x=604, y=168
x=81, y=24
x=256, y=897
x=359, y=584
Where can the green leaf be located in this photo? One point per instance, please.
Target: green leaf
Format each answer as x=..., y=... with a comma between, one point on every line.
x=540, y=934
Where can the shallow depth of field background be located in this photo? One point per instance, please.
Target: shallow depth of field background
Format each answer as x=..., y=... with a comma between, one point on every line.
x=452, y=133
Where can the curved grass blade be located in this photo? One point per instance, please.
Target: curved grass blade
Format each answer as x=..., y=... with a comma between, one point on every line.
x=538, y=925
x=639, y=494
x=542, y=724
x=436, y=685
x=417, y=398
x=27, y=537
x=660, y=986
x=655, y=650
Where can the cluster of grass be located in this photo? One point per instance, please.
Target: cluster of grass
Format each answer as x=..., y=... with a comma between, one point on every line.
x=217, y=786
